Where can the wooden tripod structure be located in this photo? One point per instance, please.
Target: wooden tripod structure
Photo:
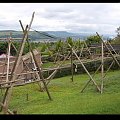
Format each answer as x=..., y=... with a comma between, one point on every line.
x=8, y=92
x=72, y=52
x=103, y=44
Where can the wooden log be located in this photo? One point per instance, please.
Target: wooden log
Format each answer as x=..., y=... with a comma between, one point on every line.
x=9, y=111
x=111, y=47
x=17, y=61
x=40, y=71
x=40, y=84
x=90, y=79
x=8, y=57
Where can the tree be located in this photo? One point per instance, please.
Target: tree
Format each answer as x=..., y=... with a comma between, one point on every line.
x=118, y=31
x=70, y=41
x=93, y=39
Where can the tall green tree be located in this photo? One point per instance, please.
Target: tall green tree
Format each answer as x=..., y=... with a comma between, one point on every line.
x=92, y=39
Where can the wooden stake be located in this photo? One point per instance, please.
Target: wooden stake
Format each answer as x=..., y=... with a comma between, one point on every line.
x=102, y=67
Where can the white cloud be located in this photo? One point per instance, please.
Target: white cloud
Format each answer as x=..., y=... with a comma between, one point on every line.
x=73, y=17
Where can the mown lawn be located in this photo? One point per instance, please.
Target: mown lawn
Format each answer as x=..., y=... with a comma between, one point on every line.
x=67, y=98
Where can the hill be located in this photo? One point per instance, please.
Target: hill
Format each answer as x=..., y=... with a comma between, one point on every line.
x=49, y=35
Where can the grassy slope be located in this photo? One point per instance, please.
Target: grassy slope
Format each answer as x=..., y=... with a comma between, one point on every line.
x=67, y=98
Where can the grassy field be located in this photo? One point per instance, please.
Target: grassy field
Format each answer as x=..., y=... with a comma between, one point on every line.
x=67, y=98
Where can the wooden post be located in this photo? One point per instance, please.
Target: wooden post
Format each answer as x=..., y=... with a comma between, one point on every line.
x=85, y=69
x=22, y=58
x=102, y=67
x=108, y=68
x=112, y=47
x=8, y=57
x=81, y=51
x=39, y=83
x=12, y=77
x=90, y=79
x=38, y=67
x=87, y=48
x=54, y=72
x=109, y=50
x=72, y=65
x=40, y=71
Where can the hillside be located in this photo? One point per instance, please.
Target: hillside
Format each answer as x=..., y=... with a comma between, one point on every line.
x=48, y=35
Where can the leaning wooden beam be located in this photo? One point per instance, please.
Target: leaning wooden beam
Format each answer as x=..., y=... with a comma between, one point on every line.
x=102, y=67
x=21, y=84
x=108, y=50
x=85, y=69
x=108, y=69
x=56, y=69
x=112, y=47
x=10, y=112
x=87, y=48
x=9, y=82
x=23, y=60
x=12, y=38
x=40, y=71
x=38, y=67
x=81, y=50
x=13, y=76
x=40, y=84
x=90, y=79
x=8, y=57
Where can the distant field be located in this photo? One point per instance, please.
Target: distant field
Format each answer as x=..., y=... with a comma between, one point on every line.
x=67, y=98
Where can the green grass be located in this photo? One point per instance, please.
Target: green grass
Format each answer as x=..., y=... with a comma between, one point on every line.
x=67, y=98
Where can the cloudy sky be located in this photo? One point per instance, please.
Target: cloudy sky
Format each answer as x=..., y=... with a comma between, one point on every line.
x=71, y=17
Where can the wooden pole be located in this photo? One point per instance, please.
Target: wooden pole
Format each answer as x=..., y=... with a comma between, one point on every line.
x=8, y=57
x=112, y=47
x=22, y=60
x=108, y=69
x=41, y=85
x=15, y=67
x=87, y=47
x=72, y=65
x=54, y=72
x=12, y=77
x=40, y=71
x=90, y=79
x=38, y=67
x=85, y=69
x=81, y=51
x=108, y=50
x=102, y=67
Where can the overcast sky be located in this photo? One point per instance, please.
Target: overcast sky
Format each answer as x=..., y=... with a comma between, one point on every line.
x=71, y=17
